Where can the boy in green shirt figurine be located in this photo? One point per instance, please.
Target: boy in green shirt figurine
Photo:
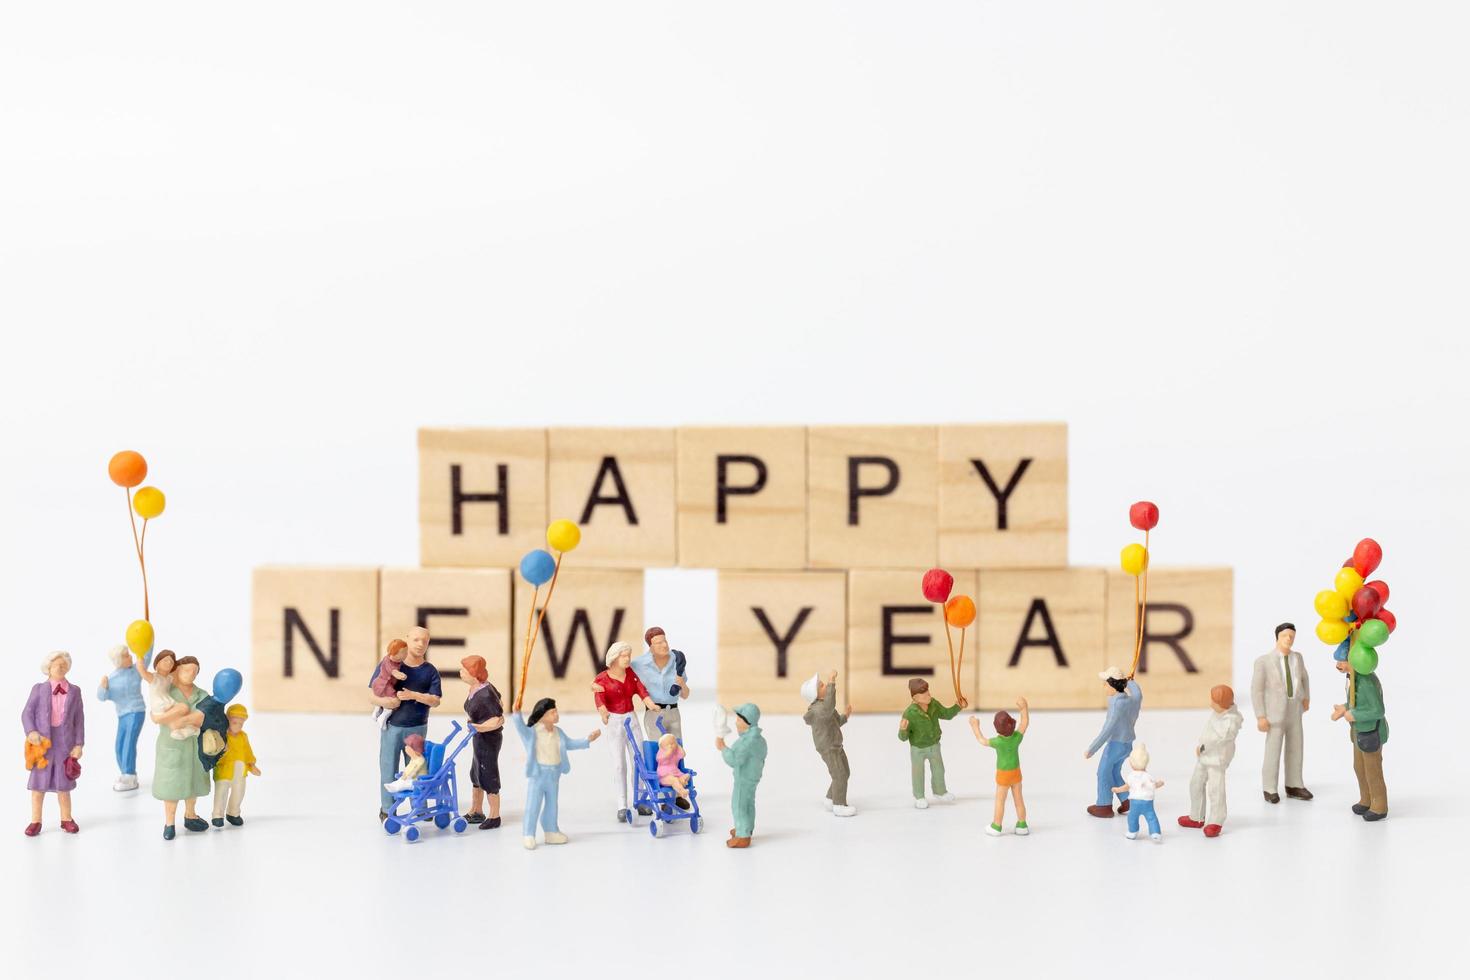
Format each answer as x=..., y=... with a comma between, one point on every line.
x=919, y=727
x=1007, y=745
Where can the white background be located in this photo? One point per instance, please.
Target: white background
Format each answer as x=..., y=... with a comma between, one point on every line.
x=263, y=244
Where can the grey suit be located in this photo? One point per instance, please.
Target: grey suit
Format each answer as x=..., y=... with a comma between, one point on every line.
x=1283, y=715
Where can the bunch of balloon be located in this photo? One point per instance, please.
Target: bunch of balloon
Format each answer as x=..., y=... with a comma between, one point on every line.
x=959, y=612
x=1355, y=616
x=538, y=568
x=1134, y=559
x=127, y=469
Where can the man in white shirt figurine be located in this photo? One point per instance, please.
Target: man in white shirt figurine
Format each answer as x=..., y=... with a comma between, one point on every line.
x=1280, y=692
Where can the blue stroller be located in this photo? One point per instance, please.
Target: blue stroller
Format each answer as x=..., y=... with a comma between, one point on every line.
x=435, y=794
x=648, y=792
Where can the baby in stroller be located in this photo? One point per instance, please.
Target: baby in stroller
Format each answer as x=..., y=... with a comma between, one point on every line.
x=669, y=773
x=413, y=745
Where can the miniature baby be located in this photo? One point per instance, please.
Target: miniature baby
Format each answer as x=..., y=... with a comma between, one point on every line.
x=414, y=746
x=669, y=774
x=1140, y=787
x=162, y=708
x=385, y=684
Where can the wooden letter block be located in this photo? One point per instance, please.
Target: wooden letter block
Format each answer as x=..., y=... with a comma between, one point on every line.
x=618, y=484
x=592, y=608
x=482, y=496
x=467, y=612
x=1041, y=637
x=872, y=497
x=776, y=629
x=1188, y=638
x=742, y=498
x=1003, y=496
x=894, y=633
x=313, y=638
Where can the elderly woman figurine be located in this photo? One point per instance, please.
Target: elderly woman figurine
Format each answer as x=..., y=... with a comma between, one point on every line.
x=54, y=727
x=124, y=688
x=177, y=772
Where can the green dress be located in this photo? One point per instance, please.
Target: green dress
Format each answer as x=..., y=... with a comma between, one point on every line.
x=177, y=772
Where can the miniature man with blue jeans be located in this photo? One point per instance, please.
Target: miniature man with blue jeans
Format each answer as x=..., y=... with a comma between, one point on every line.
x=1115, y=739
x=410, y=706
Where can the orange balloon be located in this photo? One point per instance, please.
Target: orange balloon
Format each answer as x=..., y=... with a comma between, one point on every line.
x=959, y=611
x=127, y=468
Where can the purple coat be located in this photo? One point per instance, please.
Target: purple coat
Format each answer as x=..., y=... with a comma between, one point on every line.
x=37, y=718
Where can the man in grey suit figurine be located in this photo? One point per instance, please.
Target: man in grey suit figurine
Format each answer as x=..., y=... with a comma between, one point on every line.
x=1280, y=692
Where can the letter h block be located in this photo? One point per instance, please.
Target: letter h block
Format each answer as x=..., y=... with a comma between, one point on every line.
x=482, y=496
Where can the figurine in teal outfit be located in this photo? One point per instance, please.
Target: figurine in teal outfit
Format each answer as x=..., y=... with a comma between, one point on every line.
x=748, y=758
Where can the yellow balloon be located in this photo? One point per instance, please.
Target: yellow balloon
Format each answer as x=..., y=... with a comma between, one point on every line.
x=148, y=502
x=563, y=535
x=1332, y=631
x=140, y=637
x=1134, y=559
x=1330, y=605
x=1347, y=582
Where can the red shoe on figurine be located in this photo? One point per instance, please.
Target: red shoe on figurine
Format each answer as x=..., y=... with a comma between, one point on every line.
x=1190, y=823
x=70, y=826
x=1213, y=830
x=32, y=829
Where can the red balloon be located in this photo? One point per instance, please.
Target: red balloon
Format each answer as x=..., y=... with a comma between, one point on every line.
x=1388, y=619
x=1348, y=563
x=1143, y=515
x=1381, y=587
x=937, y=584
x=1366, y=556
x=1365, y=603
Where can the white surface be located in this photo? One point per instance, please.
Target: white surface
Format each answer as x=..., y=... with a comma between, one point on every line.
x=264, y=245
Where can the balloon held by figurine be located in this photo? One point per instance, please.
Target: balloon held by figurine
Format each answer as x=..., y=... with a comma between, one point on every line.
x=1387, y=619
x=1362, y=658
x=226, y=685
x=1366, y=557
x=1134, y=559
x=1366, y=603
x=1332, y=631
x=563, y=535
x=1347, y=582
x=1144, y=515
x=537, y=567
x=1330, y=605
x=127, y=468
x=1381, y=587
x=937, y=585
x=959, y=611
x=148, y=502
x=1372, y=633
x=139, y=637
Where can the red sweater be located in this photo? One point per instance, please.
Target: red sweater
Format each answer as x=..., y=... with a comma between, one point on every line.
x=618, y=697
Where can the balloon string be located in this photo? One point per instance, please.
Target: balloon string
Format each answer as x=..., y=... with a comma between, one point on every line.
x=143, y=544
x=138, y=545
x=954, y=678
x=531, y=639
x=959, y=671
x=526, y=648
x=1140, y=609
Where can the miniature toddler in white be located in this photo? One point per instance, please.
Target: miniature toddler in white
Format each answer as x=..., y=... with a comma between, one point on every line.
x=1140, y=786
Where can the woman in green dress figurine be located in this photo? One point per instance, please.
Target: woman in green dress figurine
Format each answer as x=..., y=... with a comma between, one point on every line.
x=177, y=771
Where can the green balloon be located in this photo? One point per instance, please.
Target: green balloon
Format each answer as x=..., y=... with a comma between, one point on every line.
x=1372, y=633
x=1363, y=658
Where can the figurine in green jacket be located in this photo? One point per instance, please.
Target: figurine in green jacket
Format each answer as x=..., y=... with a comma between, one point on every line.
x=748, y=758
x=919, y=727
x=1369, y=729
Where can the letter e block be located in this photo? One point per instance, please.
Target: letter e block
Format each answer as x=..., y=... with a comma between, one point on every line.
x=894, y=633
x=1188, y=633
x=482, y=496
x=467, y=612
x=1003, y=496
x=1041, y=637
x=872, y=497
x=742, y=498
x=618, y=484
x=313, y=638
x=592, y=608
x=776, y=629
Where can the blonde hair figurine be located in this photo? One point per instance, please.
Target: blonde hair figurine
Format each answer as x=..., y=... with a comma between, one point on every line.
x=1139, y=784
x=669, y=773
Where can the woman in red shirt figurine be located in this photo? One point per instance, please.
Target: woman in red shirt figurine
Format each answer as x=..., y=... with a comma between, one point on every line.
x=614, y=692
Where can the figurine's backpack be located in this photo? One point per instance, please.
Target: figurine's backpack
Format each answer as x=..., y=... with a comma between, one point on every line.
x=212, y=733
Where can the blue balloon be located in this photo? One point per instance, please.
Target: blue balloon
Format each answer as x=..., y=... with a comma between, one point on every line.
x=537, y=567
x=226, y=685
x=1341, y=653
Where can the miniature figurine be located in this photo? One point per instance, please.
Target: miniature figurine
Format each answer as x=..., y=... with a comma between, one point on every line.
x=1139, y=787
x=663, y=672
x=614, y=691
x=163, y=709
x=1007, y=744
x=669, y=774
x=386, y=681
x=748, y=758
x=1213, y=755
x=547, y=747
x=54, y=723
x=820, y=693
x=230, y=770
x=413, y=748
x=178, y=775
x=1368, y=728
x=408, y=710
x=1115, y=739
x=487, y=717
x=1280, y=693
x=919, y=727
x=124, y=688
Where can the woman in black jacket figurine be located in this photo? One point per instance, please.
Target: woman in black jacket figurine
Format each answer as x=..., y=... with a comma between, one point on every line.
x=487, y=718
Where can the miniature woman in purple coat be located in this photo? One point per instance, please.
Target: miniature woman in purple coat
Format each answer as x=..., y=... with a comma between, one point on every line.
x=53, y=713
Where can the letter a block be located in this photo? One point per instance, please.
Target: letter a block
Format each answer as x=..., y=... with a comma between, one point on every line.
x=618, y=484
x=591, y=609
x=1041, y=637
x=313, y=638
x=1189, y=633
x=1003, y=496
x=742, y=498
x=467, y=612
x=894, y=633
x=776, y=629
x=873, y=498
x=482, y=496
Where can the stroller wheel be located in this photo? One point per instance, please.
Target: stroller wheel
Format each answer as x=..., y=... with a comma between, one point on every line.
x=460, y=825
x=391, y=826
x=656, y=829
x=441, y=820
x=695, y=824
x=411, y=834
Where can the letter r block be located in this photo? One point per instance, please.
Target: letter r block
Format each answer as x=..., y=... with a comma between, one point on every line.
x=894, y=633
x=776, y=629
x=313, y=638
x=1190, y=634
x=482, y=496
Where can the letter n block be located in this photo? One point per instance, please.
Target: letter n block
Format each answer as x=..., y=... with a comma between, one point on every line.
x=1188, y=633
x=894, y=633
x=618, y=484
x=313, y=638
x=482, y=496
x=1003, y=496
x=872, y=497
x=1041, y=637
x=776, y=629
x=742, y=498
x=592, y=608
x=467, y=612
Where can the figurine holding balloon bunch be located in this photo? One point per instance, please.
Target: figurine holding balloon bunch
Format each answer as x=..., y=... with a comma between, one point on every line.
x=539, y=568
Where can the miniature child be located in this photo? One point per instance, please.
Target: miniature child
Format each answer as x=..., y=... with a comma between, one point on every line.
x=229, y=772
x=920, y=728
x=1007, y=745
x=162, y=707
x=669, y=774
x=385, y=684
x=1212, y=757
x=1140, y=786
x=413, y=745
x=547, y=748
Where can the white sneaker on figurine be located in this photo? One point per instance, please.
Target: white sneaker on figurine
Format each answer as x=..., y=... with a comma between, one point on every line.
x=843, y=810
x=991, y=830
x=921, y=804
x=1022, y=830
x=530, y=843
x=125, y=783
x=827, y=802
x=1156, y=838
x=555, y=837
x=1131, y=835
x=947, y=797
